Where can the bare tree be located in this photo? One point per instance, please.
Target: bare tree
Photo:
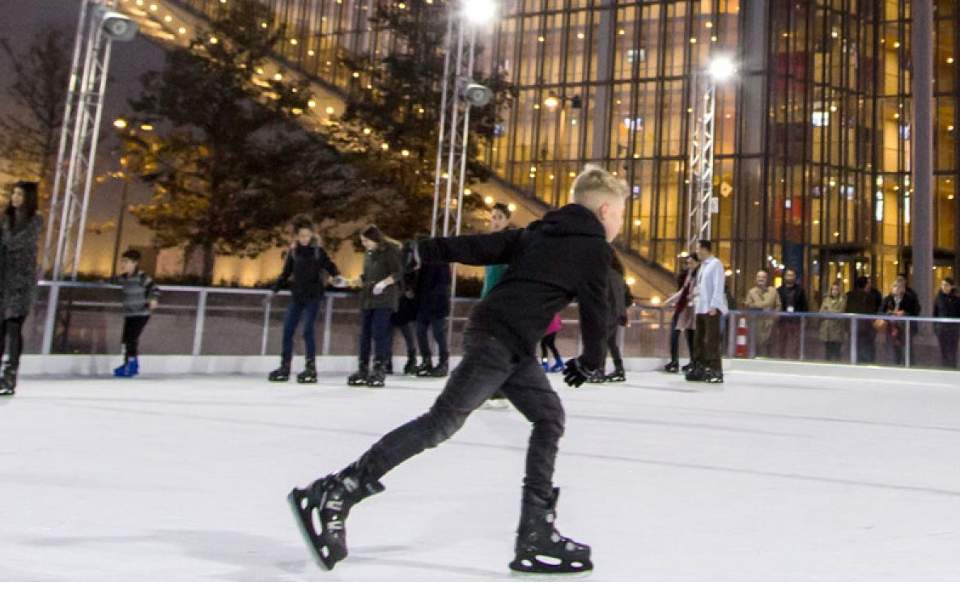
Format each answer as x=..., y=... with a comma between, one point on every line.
x=30, y=132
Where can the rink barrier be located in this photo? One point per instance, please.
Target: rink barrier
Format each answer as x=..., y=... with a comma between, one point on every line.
x=238, y=323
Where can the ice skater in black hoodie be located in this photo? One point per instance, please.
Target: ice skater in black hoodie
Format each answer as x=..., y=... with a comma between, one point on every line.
x=564, y=256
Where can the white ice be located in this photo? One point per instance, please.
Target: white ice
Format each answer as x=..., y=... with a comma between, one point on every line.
x=768, y=477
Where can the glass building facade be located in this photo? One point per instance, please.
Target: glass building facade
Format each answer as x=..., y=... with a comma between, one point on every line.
x=812, y=164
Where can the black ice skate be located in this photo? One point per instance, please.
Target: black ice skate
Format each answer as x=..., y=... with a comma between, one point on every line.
x=326, y=503
x=280, y=375
x=440, y=370
x=672, y=367
x=713, y=376
x=425, y=368
x=540, y=547
x=617, y=376
x=360, y=377
x=377, y=376
x=410, y=368
x=697, y=374
x=8, y=381
x=309, y=374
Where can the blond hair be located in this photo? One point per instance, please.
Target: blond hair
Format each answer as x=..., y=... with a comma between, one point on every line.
x=593, y=187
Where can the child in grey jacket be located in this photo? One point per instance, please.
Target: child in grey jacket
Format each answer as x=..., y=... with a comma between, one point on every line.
x=140, y=298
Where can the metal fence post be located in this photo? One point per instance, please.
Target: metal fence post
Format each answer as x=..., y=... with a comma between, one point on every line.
x=201, y=316
x=909, y=343
x=50, y=322
x=854, y=335
x=803, y=336
x=266, y=325
x=327, y=325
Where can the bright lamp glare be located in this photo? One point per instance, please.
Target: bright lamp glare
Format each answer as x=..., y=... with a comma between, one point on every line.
x=722, y=68
x=479, y=12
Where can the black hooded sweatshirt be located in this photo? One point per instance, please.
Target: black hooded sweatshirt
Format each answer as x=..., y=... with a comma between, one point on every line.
x=551, y=262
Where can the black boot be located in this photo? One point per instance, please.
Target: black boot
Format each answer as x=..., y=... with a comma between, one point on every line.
x=410, y=368
x=378, y=375
x=330, y=499
x=309, y=374
x=425, y=368
x=360, y=377
x=8, y=382
x=697, y=374
x=619, y=375
x=672, y=367
x=282, y=374
x=441, y=369
x=712, y=375
x=540, y=547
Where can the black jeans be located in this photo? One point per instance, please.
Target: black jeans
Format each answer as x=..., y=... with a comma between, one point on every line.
x=132, y=328
x=11, y=341
x=866, y=342
x=376, y=330
x=409, y=338
x=613, y=347
x=438, y=327
x=487, y=367
x=297, y=311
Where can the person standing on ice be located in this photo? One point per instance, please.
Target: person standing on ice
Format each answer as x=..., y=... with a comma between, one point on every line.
x=684, y=316
x=19, y=233
x=710, y=305
x=492, y=273
x=618, y=299
x=548, y=345
x=433, y=307
x=140, y=298
x=379, y=299
x=564, y=256
x=308, y=264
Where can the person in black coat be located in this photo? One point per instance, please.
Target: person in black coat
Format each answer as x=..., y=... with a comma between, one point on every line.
x=405, y=317
x=864, y=299
x=564, y=256
x=900, y=303
x=947, y=305
x=308, y=265
x=792, y=299
x=433, y=307
x=19, y=236
x=618, y=300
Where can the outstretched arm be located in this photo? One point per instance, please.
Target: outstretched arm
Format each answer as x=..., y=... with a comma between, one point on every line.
x=592, y=297
x=476, y=250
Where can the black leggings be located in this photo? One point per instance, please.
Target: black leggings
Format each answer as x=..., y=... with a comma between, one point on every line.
x=11, y=340
x=675, y=344
x=614, y=348
x=549, y=342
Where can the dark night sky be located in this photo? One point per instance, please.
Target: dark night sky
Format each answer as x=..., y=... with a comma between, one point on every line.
x=20, y=20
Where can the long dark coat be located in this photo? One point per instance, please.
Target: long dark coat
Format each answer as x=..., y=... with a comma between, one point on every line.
x=19, y=266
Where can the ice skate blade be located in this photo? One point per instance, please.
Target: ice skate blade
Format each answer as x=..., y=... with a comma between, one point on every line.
x=326, y=563
x=527, y=565
x=310, y=381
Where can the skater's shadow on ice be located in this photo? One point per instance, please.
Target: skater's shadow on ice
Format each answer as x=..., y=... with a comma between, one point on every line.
x=256, y=557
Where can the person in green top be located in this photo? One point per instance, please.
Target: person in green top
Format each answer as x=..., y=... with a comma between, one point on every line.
x=499, y=220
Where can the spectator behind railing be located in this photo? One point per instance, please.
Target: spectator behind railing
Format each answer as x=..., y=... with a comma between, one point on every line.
x=947, y=305
x=864, y=299
x=900, y=303
x=792, y=300
x=833, y=332
x=763, y=298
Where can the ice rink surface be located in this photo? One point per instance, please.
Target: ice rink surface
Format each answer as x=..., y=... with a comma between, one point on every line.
x=768, y=477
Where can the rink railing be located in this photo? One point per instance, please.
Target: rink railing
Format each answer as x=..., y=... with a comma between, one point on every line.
x=229, y=321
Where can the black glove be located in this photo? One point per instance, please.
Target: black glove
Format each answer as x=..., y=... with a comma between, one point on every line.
x=575, y=373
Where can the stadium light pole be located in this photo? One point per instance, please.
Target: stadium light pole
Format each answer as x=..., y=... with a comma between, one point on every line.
x=701, y=203
x=458, y=96
x=98, y=27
